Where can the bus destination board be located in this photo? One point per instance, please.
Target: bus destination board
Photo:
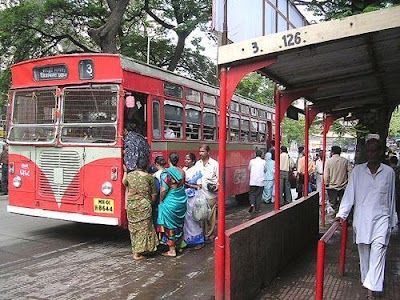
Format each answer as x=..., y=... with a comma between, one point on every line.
x=51, y=72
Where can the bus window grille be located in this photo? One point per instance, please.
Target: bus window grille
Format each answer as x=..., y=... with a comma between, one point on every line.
x=34, y=107
x=69, y=163
x=90, y=106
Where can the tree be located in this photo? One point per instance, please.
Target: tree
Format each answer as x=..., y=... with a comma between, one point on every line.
x=394, y=126
x=293, y=130
x=257, y=87
x=105, y=36
x=32, y=29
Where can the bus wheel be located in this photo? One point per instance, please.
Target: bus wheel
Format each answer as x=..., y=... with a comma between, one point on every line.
x=243, y=199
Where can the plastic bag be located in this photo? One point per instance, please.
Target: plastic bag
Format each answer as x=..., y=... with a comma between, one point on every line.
x=201, y=209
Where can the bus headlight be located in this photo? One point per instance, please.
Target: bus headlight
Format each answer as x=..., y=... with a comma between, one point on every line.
x=17, y=181
x=106, y=188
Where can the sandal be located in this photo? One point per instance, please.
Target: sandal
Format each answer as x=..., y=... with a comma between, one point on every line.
x=168, y=254
x=138, y=257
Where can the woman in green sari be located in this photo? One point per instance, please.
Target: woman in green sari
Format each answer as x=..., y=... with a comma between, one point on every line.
x=172, y=207
x=140, y=195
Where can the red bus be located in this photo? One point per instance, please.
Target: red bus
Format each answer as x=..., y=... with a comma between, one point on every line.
x=66, y=126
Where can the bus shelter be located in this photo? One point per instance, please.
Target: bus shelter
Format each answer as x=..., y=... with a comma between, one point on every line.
x=348, y=67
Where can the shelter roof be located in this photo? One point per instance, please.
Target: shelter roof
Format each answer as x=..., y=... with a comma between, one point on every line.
x=345, y=65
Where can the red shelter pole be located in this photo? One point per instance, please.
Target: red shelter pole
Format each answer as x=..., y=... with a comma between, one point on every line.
x=282, y=103
x=319, y=289
x=220, y=240
x=343, y=246
x=278, y=120
x=227, y=88
x=327, y=124
x=323, y=189
x=310, y=114
x=306, y=150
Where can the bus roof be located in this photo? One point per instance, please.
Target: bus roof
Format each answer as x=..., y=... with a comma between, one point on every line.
x=22, y=73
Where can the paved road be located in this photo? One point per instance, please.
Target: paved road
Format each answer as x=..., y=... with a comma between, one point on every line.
x=50, y=259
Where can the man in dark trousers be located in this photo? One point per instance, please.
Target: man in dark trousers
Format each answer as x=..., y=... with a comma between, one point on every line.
x=336, y=175
x=257, y=168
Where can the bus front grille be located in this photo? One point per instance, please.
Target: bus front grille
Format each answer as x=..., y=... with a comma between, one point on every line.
x=59, y=176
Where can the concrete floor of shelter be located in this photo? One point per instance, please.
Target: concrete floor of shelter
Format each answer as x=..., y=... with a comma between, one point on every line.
x=297, y=281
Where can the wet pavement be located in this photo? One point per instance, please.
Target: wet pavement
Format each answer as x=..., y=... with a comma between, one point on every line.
x=50, y=259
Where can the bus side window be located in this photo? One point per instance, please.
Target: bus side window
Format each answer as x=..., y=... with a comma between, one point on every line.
x=172, y=130
x=193, y=120
x=173, y=119
x=262, y=131
x=254, y=130
x=245, y=128
x=156, y=119
x=234, y=129
x=209, y=126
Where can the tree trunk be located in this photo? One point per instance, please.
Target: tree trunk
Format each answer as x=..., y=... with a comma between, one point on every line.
x=380, y=125
x=106, y=36
x=178, y=50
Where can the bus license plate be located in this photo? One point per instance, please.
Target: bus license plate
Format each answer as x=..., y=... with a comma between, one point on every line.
x=104, y=206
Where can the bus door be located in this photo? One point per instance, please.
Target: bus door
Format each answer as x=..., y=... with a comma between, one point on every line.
x=135, y=111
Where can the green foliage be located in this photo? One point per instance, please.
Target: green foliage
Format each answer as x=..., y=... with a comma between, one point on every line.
x=31, y=29
x=293, y=130
x=5, y=79
x=394, y=126
x=257, y=87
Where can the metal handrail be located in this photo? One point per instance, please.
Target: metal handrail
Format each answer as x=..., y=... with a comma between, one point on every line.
x=319, y=288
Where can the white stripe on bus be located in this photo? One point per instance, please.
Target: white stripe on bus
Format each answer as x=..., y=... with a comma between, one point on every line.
x=62, y=215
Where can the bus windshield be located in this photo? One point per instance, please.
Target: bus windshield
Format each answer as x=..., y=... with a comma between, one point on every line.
x=89, y=114
x=34, y=116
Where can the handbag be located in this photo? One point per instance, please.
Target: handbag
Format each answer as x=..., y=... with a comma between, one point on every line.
x=201, y=209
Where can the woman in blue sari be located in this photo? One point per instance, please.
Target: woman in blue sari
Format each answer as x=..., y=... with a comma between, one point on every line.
x=172, y=207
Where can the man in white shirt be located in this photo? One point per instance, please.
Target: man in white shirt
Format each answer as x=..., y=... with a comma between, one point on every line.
x=209, y=185
x=285, y=166
x=371, y=190
x=169, y=133
x=257, y=167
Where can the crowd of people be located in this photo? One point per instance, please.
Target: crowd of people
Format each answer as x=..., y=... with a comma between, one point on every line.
x=162, y=208
x=291, y=175
x=370, y=191
x=161, y=199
